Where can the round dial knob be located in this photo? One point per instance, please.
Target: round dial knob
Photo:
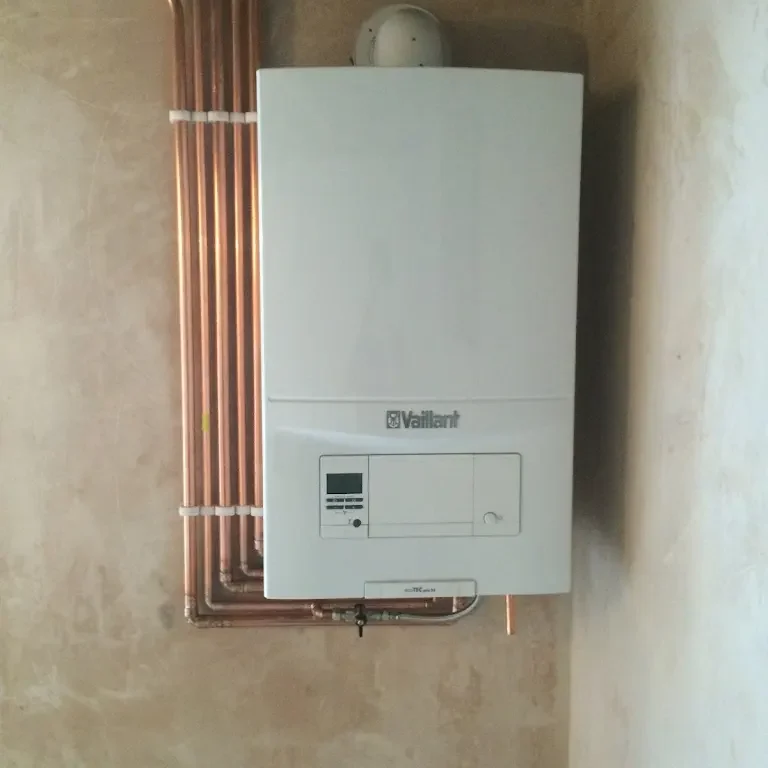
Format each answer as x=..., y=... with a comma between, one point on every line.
x=490, y=518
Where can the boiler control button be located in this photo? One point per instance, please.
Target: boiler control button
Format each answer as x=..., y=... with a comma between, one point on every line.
x=490, y=518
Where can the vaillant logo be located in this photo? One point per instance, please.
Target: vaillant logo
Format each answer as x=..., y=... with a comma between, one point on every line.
x=422, y=420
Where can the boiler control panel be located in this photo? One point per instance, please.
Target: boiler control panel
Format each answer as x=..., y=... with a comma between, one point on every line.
x=344, y=496
x=420, y=495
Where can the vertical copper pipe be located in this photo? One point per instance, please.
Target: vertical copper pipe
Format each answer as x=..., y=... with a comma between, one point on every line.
x=239, y=252
x=241, y=60
x=238, y=62
x=233, y=614
x=199, y=102
x=208, y=560
x=186, y=322
x=254, y=62
x=510, y=605
x=190, y=568
x=184, y=237
x=256, y=573
x=221, y=255
x=198, y=37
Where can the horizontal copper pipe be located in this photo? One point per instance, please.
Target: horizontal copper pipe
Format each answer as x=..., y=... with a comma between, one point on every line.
x=317, y=616
x=255, y=607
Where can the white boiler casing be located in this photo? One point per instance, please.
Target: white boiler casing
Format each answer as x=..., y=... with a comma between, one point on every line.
x=419, y=233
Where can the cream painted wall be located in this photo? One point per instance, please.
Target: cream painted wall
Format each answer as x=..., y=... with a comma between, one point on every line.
x=97, y=668
x=670, y=633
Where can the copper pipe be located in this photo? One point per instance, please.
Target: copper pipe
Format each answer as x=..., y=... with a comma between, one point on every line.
x=181, y=133
x=265, y=607
x=510, y=605
x=190, y=567
x=254, y=573
x=238, y=60
x=181, y=149
x=238, y=195
x=186, y=318
x=245, y=622
x=434, y=607
x=221, y=257
x=201, y=142
x=261, y=607
x=239, y=252
x=198, y=36
x=240, y=587
x=294, y=617
x=254, y=62
x=258, y=500
x=300, y=611
x=192, y=158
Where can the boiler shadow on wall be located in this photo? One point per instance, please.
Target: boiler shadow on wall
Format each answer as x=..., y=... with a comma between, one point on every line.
x=516, y=45
x=605, y=296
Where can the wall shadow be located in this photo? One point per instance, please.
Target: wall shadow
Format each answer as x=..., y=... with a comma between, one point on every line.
x=278, y=19
x=516, y=45
x=604, y=315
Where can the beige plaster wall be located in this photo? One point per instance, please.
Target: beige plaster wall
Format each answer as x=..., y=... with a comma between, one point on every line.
x=97, y=667
x=670, y=632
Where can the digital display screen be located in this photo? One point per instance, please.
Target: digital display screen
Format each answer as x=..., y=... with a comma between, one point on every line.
x=349, y=482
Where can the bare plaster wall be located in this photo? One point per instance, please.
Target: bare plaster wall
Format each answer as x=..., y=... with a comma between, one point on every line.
x=670, y=626
x=97, y=667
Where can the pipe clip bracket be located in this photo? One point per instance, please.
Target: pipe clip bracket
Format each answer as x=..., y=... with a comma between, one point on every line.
x=212, y=116
x=196, y=511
